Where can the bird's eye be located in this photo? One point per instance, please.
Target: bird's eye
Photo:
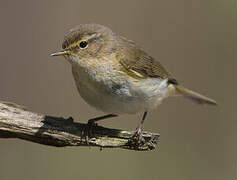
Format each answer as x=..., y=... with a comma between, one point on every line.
x=83, y=44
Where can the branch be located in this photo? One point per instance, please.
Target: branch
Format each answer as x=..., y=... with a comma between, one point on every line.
x=17, y=122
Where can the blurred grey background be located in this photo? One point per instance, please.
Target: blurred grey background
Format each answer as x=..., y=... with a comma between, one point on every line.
x=195, y=40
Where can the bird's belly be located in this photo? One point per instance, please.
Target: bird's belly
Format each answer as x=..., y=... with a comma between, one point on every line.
x=120, y=96
x=108, y=102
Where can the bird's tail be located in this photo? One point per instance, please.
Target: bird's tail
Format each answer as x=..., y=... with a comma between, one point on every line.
x=196, y=97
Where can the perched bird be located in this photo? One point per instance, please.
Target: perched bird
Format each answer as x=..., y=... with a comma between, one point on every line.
x=116, y=76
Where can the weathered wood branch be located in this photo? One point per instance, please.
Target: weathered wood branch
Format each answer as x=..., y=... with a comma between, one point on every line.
x=17, y=122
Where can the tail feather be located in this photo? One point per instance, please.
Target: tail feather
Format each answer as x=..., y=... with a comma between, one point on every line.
x=196, y=97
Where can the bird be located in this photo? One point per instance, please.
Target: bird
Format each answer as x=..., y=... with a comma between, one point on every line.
x=115, y=75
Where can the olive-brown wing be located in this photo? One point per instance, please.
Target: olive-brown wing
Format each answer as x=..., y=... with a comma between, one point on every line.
x=139, y=63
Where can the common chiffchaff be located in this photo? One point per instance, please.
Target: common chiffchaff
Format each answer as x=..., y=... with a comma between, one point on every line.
x=116, y=76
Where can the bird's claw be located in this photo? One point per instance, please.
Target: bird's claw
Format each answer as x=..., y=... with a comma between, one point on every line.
x=87, y=132
x=137, y=136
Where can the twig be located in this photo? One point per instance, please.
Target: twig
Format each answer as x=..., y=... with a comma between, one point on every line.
x=17, y=122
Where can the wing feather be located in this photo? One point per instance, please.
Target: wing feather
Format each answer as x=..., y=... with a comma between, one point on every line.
x=139, y=64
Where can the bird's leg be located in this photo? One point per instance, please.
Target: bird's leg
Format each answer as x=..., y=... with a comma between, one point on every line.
x=138, y=132
x=92, y=122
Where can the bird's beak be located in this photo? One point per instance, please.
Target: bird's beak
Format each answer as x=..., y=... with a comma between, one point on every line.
x=61, y=52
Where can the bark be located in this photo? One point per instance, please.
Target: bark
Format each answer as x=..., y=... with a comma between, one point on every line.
x=17, y=122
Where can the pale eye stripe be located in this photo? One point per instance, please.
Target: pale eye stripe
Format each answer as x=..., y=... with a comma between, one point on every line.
x=93, y=36
x=75, y=44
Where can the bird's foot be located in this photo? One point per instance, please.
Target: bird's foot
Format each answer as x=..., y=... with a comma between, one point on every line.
x=88, y=130
x=137, y=136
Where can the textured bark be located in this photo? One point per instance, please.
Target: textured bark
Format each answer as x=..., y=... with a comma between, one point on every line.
x=17, y=122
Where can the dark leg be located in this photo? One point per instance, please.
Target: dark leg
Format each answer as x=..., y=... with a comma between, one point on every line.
x=144, y=117
x=138, y=133
x=91, y=122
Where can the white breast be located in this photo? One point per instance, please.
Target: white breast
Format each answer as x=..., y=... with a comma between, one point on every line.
x=119, y=95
